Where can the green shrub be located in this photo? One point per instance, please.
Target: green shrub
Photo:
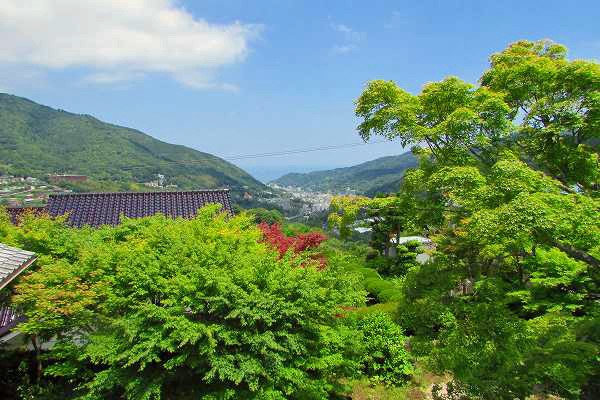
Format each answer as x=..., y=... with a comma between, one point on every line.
x=405, y=259
x=377, y=285
x=262, y=215
x=296, y=228
x=388, y=295
x=385, y=358
x=369, y=273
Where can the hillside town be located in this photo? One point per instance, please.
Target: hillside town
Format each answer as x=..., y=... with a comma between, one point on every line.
x=298, y=200
x=28, y=191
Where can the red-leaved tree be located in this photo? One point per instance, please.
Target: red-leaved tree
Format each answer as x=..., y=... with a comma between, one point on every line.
x=274, y=236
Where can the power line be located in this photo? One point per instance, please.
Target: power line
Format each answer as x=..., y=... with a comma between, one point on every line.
x=304, y=150
x=257, y=155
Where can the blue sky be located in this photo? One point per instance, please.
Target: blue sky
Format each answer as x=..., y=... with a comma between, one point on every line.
x=245, y=77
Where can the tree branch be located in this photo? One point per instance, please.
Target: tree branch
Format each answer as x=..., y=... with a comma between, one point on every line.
x=577, y=254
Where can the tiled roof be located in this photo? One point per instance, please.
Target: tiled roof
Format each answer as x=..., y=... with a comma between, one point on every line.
x=96, y=209
x=12, y=262
x=9, y=317
x=15, y=213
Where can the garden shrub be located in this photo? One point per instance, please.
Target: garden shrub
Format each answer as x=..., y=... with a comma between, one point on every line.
x=385, y=358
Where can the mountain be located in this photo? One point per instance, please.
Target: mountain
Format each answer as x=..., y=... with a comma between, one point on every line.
x=36, y=140
x=382, y=175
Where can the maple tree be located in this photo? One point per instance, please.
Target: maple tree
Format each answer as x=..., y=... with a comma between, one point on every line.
x=298, y=244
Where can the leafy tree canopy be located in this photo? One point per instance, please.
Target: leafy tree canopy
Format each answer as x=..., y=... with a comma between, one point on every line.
x=162, y=308
x=508, y=188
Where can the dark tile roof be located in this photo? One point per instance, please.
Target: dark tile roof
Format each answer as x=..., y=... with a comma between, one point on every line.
x=12, y=262
x=96, y=209
x=9, y=318
x=15, y=213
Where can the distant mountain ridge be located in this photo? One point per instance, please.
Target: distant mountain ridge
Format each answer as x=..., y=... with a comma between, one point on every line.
x=382, y=175
x=36, y=140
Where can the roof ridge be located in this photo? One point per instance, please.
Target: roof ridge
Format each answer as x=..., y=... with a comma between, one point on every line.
x=139, y=193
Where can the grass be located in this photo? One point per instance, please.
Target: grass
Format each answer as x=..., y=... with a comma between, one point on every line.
x=418, y=388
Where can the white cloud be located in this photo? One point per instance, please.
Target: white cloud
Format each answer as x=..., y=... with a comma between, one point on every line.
x=118, y=40
x=351, y=39
x=108, y=78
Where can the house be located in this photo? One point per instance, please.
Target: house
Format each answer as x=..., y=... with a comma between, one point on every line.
x=13, y=262
x=425, y=243
x=97, y=209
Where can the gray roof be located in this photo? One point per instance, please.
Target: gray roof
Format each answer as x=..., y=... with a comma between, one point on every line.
x=406, y=239
x=12, y=262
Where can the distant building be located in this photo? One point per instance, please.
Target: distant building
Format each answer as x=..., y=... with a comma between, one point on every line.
x=158, y=183
x=153, y=184
x=67, y=178
x=426, y=243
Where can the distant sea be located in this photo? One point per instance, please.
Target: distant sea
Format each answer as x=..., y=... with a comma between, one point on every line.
x=267, y=174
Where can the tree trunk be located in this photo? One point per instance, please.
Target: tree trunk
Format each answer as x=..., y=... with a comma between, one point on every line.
x=38, y=359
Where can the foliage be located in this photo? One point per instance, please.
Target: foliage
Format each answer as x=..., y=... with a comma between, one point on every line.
x=385, y=216
x=161, y=308
x=36, y=140
x=507, y=187
x=401, y=263
x=274, y=236
x=385, y=358
x=558, y=103
x=350, y=257
x=297, y=228
x=382, y=175
x=262, y=215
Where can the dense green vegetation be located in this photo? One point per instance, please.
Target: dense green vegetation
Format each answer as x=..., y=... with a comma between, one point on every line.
x=36, y=140
x=262, y=215
x=508, y=187
x=201, y=308
x=507, y=307
x=382, y=175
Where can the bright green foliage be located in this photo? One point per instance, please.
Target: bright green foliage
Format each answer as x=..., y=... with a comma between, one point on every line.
x=161, y=308
x=404, y=260
x=352, y=261
x=267, y=216
x=452, y=117
x=386, y=216
x=345, y=210
x=508, y=189
x=385, y=358
x=559, y=103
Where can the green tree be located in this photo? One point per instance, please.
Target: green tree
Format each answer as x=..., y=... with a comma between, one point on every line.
x=558, y=105
x=267, y=216
x=162, y=308
x=508, y=188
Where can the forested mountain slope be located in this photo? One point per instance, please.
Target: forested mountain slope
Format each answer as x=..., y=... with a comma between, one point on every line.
x=380, y=175
x=36, y=140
